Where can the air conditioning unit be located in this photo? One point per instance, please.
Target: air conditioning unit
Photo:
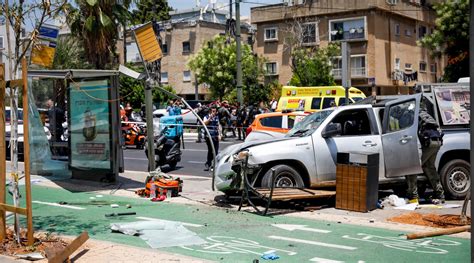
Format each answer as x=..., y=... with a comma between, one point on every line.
x=192, y=23
x=392, y=2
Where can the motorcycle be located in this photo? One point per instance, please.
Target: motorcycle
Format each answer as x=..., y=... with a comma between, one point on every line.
x=134, y=133
x=167, y=151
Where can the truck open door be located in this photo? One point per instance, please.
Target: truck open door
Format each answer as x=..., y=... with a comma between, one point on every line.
x=400, y=136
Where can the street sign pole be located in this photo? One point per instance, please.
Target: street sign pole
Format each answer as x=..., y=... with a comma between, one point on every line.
x=346, y=68
x=239, y=53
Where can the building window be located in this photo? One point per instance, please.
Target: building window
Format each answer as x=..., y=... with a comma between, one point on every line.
x=309, y=33
x=397, y=64
x=271, y=68
x=1, y=43
x=397, y=29
x=164, y=77
x=164, y=48
x=408, y=66
x=186, y=76
x=349, y=29
x=408, y=32
x=186, y=47
x=271, y=34
x=422, y=31
x=358, y=67
x=422, y=66
x=433, y=68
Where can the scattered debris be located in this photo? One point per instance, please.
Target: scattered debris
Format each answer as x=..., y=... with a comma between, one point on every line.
x=411, y=207
x=99, y=196
x=393, y=200
x=114, y=205
x=159, y=233
x=270, y=255
x=69, y=250
x=31, y=256
x=121, y=214
x=440, y=232
x=371, y=220
x=432, y=220
x=92, y=198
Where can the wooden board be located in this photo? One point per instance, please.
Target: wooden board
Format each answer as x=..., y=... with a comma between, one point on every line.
x=280, y=194
x=75, y=244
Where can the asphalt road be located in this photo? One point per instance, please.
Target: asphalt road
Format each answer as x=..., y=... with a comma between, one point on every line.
x=192, y=159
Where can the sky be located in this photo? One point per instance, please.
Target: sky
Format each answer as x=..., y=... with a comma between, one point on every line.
x=245, y=4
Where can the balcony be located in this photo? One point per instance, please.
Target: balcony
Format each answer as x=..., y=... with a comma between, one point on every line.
x=355, y=73
x=348, y=35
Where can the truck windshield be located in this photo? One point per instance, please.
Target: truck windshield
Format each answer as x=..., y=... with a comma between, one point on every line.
x=309, y=124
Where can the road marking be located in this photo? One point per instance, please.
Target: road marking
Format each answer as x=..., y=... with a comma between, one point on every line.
x=300, y=227
x=157, y=219
x=325, y=260
x=195, y=150
x=58, y=205
x=131, y=158
x=312, y=242
x=196, y=162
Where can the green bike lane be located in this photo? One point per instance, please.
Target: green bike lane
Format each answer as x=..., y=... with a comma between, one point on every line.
x=240, y=236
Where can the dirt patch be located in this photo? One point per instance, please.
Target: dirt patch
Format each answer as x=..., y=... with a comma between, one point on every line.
x=431, y=220
x=43, y=242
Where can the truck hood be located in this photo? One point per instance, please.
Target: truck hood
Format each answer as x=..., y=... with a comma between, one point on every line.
x=261, y=142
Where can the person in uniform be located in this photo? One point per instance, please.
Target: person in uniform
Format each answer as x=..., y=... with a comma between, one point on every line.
x=431, y=139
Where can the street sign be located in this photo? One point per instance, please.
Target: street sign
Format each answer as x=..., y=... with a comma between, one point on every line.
x=371, y=80
x=148, y=43
x=43, y=53
x=48, y=32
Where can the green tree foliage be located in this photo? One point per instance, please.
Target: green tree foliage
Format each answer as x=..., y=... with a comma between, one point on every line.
x=144, y=12
x=132, y=91
x=96, y=24
x=451, y=37
x=215, y=65
x=69, y=54
x=313, y=67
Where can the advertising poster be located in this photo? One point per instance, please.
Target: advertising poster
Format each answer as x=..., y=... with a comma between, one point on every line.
x=90, y=136
x=453, y=104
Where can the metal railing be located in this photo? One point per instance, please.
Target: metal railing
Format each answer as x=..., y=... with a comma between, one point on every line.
x=355, y=72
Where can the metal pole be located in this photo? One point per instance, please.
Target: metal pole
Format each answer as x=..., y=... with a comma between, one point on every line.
x=149, y=126
x=230, y=9
x=346, y=68
x=471, y=84
x=239, y=52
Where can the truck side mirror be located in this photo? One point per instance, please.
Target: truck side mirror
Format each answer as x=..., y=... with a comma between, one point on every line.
x=331, y=130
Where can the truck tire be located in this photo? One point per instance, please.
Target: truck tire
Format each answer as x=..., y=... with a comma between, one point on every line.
x=285, y=176
x=455, y=178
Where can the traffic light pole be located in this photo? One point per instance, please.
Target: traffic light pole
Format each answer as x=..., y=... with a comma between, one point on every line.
x=239, y=52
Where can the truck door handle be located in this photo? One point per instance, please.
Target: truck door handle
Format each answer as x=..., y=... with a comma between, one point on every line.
x=369, y=144
x=406, y=139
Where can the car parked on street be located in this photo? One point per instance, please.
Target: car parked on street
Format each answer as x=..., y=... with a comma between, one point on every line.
x=273, y=125
x=306, y=157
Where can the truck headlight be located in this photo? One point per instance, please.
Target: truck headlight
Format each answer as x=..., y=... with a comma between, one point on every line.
x=242, y=155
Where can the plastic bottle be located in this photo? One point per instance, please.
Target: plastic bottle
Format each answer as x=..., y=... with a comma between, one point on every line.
x=152, y=191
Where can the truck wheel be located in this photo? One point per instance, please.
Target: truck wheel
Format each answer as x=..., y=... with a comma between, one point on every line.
x=285, y=176
x=455, y=178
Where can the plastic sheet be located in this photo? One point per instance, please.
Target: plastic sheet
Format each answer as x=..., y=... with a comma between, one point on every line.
x=159, y=233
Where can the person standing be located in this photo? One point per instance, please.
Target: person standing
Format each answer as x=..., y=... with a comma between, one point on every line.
x=273, y=104
x=212, y=122
x=241, y=116
x=224, y=118
x=431, y=139
x=56, y=117
x=202, y=112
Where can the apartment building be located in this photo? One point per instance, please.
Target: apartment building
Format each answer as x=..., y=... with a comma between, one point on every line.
x=182, y=37
x=382, y=35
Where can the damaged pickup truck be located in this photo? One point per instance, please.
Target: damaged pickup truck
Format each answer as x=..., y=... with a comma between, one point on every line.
x=306, y=156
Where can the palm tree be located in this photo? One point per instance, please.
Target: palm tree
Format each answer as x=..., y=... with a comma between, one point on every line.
x=96, y=24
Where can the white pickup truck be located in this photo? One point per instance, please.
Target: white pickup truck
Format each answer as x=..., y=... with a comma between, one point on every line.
x=306, y=157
